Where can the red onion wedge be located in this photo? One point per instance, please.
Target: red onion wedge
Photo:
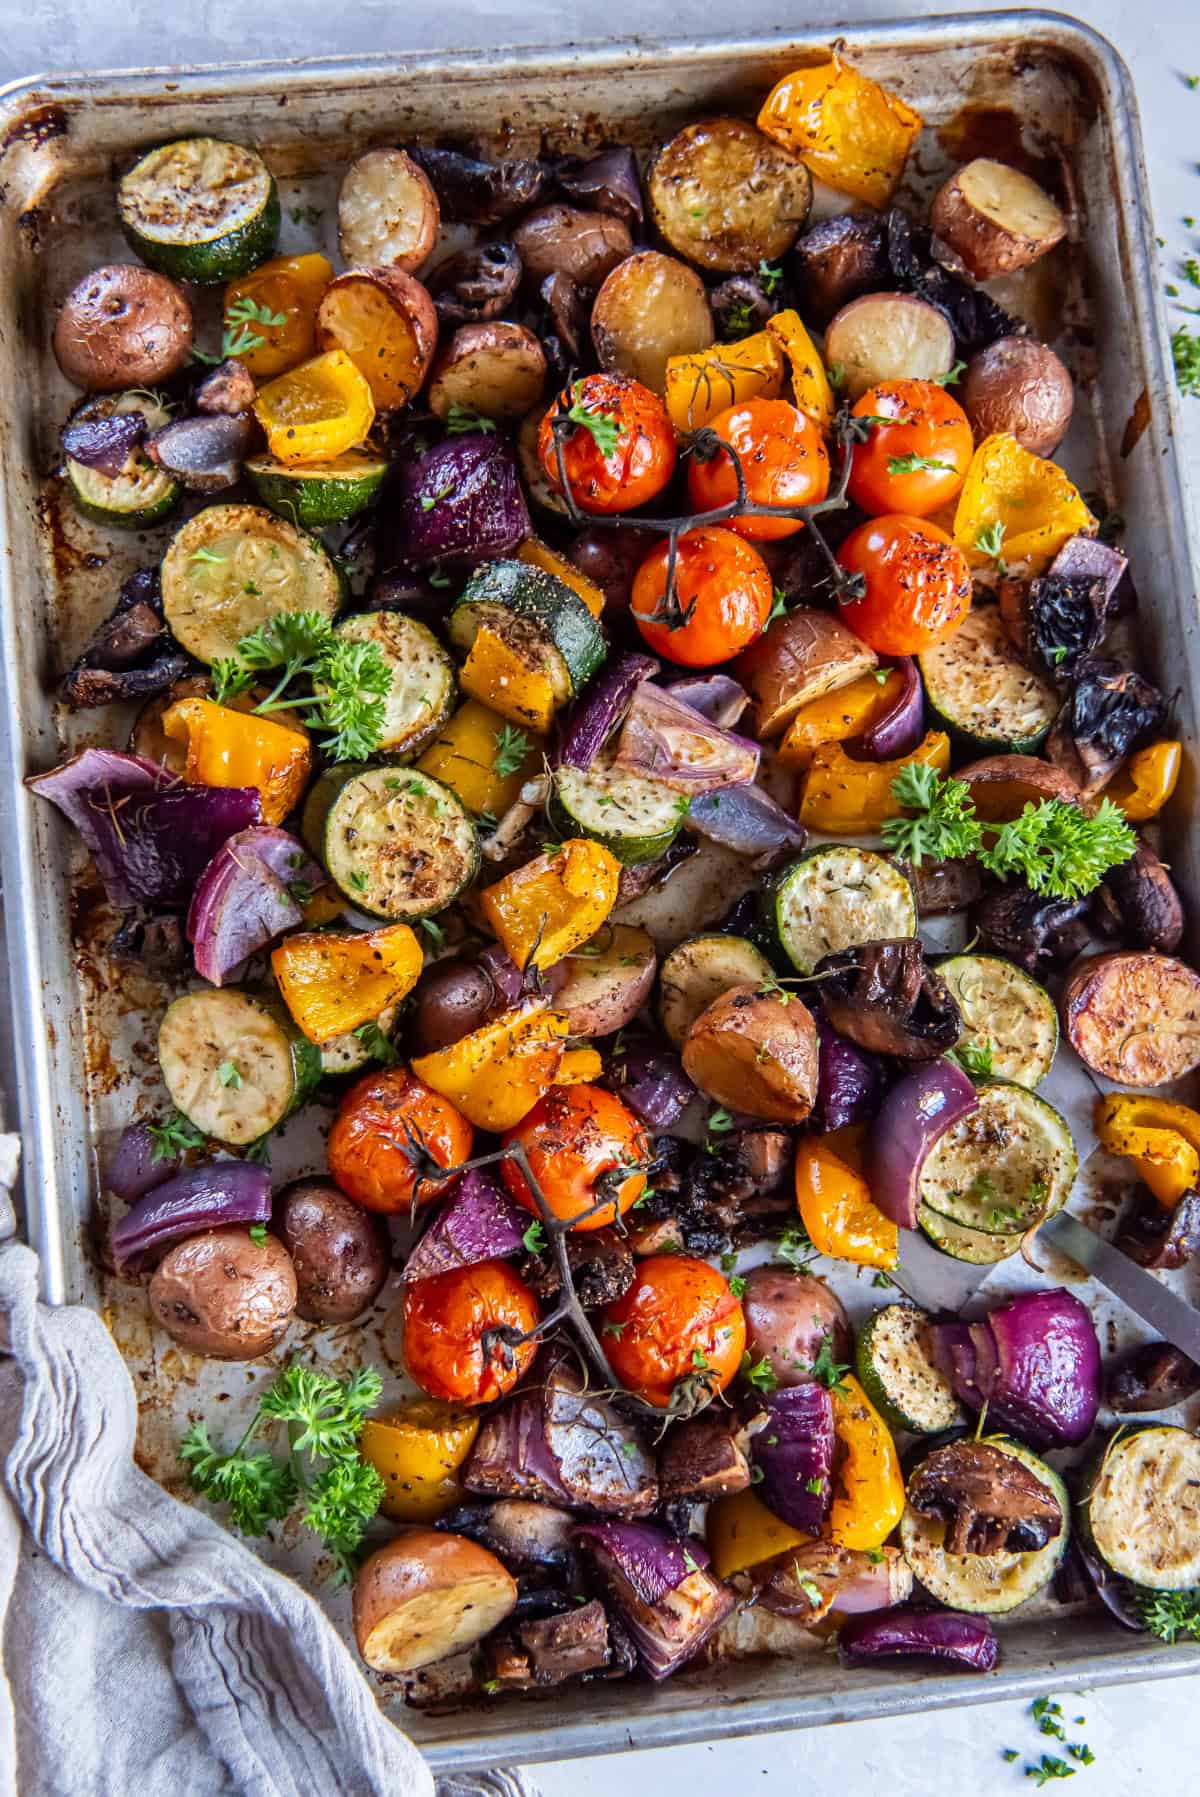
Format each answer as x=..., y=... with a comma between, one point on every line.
x=665, y=740
x=918, y=1109
x=104, y=444
x=902, y=725
x=133, y=1168
x=904, y=1632
x=459, y=501
x=651, y=1080
x=670, y=1628
x=478, y=1221
x=1034, y=1361
x=197, y=1199
x=717, y=697
x=247, y=895
x=795, y=1454
x=746, y=819
x=589, y=723
x=849, y=1082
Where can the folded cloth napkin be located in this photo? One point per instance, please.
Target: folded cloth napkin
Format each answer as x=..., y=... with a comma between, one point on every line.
x=146, y=1650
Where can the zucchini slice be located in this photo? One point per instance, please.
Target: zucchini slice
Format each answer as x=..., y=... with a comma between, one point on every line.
x=314, y=497
x=422, y=692
x=321, y=794
x=399, y=844
x=200, y=209
x=698, y=971
x=637, y=819
x=898, y=1376
x=983, y=693
x=1004, y=1010
x=234, y=1065
x=349, y=1053
x=837, y=897
x=1141, y=1511
x=142, y=494
x=972, y=1245
x=985, y=1584
x=232, y=568
x=1003, y=1167
x=530, y=642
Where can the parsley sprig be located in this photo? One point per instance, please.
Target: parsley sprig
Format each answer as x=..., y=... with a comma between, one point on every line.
x=323, y=1417
x=173, y=1137
x=917, y=464
x=512, y=746
x=1172, y=1615
x=349, y=681
x=945, y=827
x=603, y=425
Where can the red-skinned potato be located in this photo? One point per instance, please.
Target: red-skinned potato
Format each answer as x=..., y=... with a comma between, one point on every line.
x=569, y=241
x=225, y=1295
x=888, y=337
x=495, y=370
x=751, y=1051
x=1019, y=388
x=427, y=1595
x=388, y=213
x=1002, y=785
x=340, y=1252
x=651, y=307
x=122, y=326
x=1134, y=1016
x=800, y=657
x=385, y=322
x=608, y=981
x=788, y=1316
x=993, y=219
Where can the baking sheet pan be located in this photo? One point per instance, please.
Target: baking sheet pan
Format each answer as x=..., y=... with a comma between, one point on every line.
x=1023, y=83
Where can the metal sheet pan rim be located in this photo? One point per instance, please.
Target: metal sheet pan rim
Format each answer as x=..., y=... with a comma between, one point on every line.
x=534, y=1736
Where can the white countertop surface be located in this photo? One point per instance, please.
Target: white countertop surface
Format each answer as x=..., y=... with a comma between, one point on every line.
x=1142, y=1735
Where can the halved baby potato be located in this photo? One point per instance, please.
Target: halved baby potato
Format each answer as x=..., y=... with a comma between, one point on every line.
x=608, y=981
x=497, y=370
x=388, y=213
x=385, y=322
x=650, y=308
x=726, y=197
x=425, y=1596
x=994, y=220
x=888, y=337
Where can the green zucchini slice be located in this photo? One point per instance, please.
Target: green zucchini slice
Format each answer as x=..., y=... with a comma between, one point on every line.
x=234, y=1065
x=898, y=1376
x=142, y=494
x=200, y=209
x=1141, y=1508
x=536, y=613
x=315, y=497
x=637, y=819
x=1004, y=1166
x=349, y=1053
x=983, y=693
x=699, y=970
x=423, y=689
x=321, y=794
x=835, y=897
x=985, y=1584
x=232, y=568
x=979, y=1248
x=399, y=844
x=1004, y=1010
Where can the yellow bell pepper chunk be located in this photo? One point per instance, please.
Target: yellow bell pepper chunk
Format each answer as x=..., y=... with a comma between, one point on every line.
x=287, y=290
x=417, y=1449
x=1142, y=787
x=546, y=908
x=1160, y=1137
x=464, y=753
x=837, y=716
x=540, y=555
x=579, y=1067
x=333, y=983
x=843, y=797
x=316, y=412
x=497, y=1074
x=226, y=747
x=741, y=1532
x=851, y=133
x=811, y=390
x=1029, y=497
x=702, y=385
x=835, y=1204
x=868, y=1485
x=497, y=677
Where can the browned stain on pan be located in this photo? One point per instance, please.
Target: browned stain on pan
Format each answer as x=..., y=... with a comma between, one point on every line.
x=1136, y=423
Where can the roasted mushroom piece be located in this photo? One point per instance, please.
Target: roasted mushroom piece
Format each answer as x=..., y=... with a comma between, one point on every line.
x=229, y=389
x=706, y=1199
x=527, y=1537
x=740, y=306
x=1149, y=911
x=476, y=285
x=972, y=314
x=990, y=1501
x=943, y=887
x=564, y=301
x=1156, y=1237
x=607, y=182
x=1109, y=712
x=155, y=941
x=131, y=655
x=1030, y=928
x=883, y=997
x=205, y=452
x=601, y=1265
x=838, y=260
x=1067, y=615
x=1153, y=1377
x=701, y=1459
x=471, y=192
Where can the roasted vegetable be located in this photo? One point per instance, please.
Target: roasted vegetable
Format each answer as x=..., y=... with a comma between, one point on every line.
x=700, y=387
x=459, y=500
x=1157, y=1237
x=1065, y=618
x=989, y=1501
x=185, y=1203
x=993, y=220
x=245, y=897
x=916, y=1113
x=476, y=285
x=1155, y=1376
x=225, y=1295
x=424, y=1596
x=883, y=997
x=548, y=907
x=1145, y=784
x=1034, y=1364
x=1160, y=1137
x=793, y=1321
x=470, y=1335
x=1017, y=387
x=1148, y=907
x=333, y=983
x=845, y=797
x=497, y=1073
x=799, y=658
x=1110, y=711
x=667, y=1600
x=318, y=411
x=370, y=1144
x=286, y=290
x=726, y=198
x=339, y=1251
x=852, y=133
x=1029, y=500
x=205, y=453
x=835, y=1201
x=122, y=326
x=650, y=308
x=130, y=655
x=417, y=1448
x=701, y=1459
x=492, y=370
x=384, y=321
x=608, y=980
x=838, y=260
x=228, y=748
x=793, y=1452
x=888, y=337
x=868, y=1486
x=388, y=213
x=757, y=1052
x=564, y=240
x=985, y=1500
x=479, y=193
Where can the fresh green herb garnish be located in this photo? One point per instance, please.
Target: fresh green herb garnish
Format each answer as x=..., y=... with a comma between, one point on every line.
x=512, y=746
x=719, y=1121
x=237, y=337
x=349, y=681
x=794, y=1247
x=756, y=1475
x=229, y=1076
x=737, y=1285
x=779, y=605
x=491, y=1686
x=690, y=1561
x=699, y=1361
x=875, y=1555
x=951, y=377
x=836, y=374
x=174, y=1137
x=1049, y=1767
x=534, y=1239
x=438, y=577
x=1186, y=351
x=739, y=320
x=429, y=500
x=826, y=1370
x=1171, y=1615
x=813, y=1486
x=616, y=1330
x=206, y=555
x=434, y=931
x=974, y=1058
x=604, y=426
x=945, y=828
x=462, y=418
x=1079, y=1750
x=917, y=464
x=1010, y=1754
x=989, y=539
x=769, y=278
x=377, y=1044
x=810, y=1588
x=305, y=215
x=759, y=1373
x=258, y=1233
x=359, y=881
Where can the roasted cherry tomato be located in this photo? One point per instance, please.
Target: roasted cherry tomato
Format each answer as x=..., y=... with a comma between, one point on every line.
x=784, y=462
x=917, y=460
x=678, y=1321
x=621, y=451
x=918, y=585
x=389, y=1128
x=444, y=1322
x=576, y=1140
x=723, y=597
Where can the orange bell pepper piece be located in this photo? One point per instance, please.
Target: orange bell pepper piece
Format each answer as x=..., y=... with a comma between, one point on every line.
x=835, y=1202
x=741, y=1532
x=579, y=1067
x=1030, y=497
x=811, y=390
x=1142, y=787
x=838, y=716
x=315, y=413
x=1161, y=1138
x=464, y=753
x=333, y=983
x=701, y=385
x=868, y=1485
x=285, y=291
x=496, y=1075
x=843, y=797
x=226, y=747
x=853, y=134
x=546, y=908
